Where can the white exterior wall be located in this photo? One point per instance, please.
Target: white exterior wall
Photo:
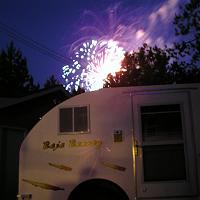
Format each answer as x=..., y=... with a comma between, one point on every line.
x=110, y=109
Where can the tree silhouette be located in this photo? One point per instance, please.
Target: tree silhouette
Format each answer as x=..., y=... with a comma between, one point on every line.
x=147, y=66
x=152, y=66
x=15, y=80
x=187, y=25
x=51, y=82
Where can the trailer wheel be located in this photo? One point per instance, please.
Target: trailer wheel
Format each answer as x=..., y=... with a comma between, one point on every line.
x=98, y=189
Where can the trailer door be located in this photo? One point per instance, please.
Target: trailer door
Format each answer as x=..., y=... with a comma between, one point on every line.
x=163, y=131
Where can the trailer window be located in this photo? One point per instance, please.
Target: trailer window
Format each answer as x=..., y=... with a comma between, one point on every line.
x=163, y=144
x=74, y=120
x=80, y=119
x=164, y=162
x=161, y=122
x=66, y=120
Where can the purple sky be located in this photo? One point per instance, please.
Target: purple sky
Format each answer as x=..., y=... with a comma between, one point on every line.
x=56, y=24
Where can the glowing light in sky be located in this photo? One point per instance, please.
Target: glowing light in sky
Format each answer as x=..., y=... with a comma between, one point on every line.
x=92, y=62
x=103, y=42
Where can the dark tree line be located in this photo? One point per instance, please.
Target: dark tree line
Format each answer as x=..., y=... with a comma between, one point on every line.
x=147, y=66
x=15, y=79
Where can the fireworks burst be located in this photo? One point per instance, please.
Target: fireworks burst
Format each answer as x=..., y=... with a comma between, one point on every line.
x=102, y=44
x=93, y=61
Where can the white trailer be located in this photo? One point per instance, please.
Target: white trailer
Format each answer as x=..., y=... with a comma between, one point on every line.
x=116, y=143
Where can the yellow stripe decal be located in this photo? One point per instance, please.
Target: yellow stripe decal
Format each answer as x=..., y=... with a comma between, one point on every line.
x=113, y=166
x=42, y=185
x=62, y=167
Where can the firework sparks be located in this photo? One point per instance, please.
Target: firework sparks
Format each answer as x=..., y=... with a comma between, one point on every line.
x=93, y=61
x=101, y=47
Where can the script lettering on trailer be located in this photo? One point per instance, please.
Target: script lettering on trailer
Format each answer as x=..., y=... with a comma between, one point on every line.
x=73, y=143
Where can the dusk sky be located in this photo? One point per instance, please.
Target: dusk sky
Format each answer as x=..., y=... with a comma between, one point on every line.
x=57, y=24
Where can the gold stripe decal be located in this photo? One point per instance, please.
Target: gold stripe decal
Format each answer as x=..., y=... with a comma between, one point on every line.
x=113, y=166
x=42, y=185
x=62, y=167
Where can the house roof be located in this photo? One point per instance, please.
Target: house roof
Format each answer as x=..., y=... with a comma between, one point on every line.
x=6, y=102
x=25, y=112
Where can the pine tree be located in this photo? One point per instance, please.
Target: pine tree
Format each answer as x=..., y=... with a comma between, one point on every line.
x=15, y=80
x=51, y=82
